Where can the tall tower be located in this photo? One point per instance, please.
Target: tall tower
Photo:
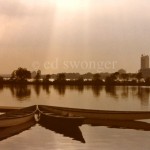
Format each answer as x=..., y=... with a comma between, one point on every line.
x=144, y=62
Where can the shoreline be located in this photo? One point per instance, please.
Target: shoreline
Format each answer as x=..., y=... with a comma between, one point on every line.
x=75, y=83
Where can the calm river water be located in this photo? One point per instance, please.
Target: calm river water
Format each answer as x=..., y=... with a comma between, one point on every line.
x=107, y=136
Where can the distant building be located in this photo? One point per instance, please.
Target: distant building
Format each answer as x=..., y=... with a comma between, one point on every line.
x=145, y=73
x=145, y=70
x=122, y=71
x=144, y=62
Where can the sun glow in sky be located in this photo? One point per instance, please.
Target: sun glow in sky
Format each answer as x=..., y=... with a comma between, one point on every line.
x=69, y=4
x=80, y=31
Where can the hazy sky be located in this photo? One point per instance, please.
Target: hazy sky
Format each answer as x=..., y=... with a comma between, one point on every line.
x=73, y=35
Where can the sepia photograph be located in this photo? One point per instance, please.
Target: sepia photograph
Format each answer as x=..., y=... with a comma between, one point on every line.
x=74, y=75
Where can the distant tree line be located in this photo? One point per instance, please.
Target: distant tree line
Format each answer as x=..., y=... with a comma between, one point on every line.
x=24, y=76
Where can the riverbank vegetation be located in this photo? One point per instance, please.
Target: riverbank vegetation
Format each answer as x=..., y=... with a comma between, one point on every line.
x=24, y=76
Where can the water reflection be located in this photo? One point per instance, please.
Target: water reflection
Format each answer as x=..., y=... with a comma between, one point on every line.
x=125, y=92
x=136, y=125
x=37, y=89
x=112, y=91
x=122, y=92
x=1, y=87
x=79, y=88
x=96, y=90
x=71, y=131
x=14, y=130
x=61, y=89
x=23, y=92
x=47, y=89
x=20, y=91
x=143, y=94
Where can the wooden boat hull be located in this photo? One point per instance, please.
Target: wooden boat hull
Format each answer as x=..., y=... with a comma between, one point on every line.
x=14, y=130
x=7, y=108
x=15, y=121
x=59, y=118
x=17, y=117
x=100, y=114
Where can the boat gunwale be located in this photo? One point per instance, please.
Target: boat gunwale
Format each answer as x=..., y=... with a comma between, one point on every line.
x=60, y=116
x=80, y=110
x=16, y=116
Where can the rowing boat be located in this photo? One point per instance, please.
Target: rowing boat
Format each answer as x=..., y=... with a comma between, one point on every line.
x=99, y=114
x=14, y=130
x=60, y=118
x=17, y=117
x=8, y=108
